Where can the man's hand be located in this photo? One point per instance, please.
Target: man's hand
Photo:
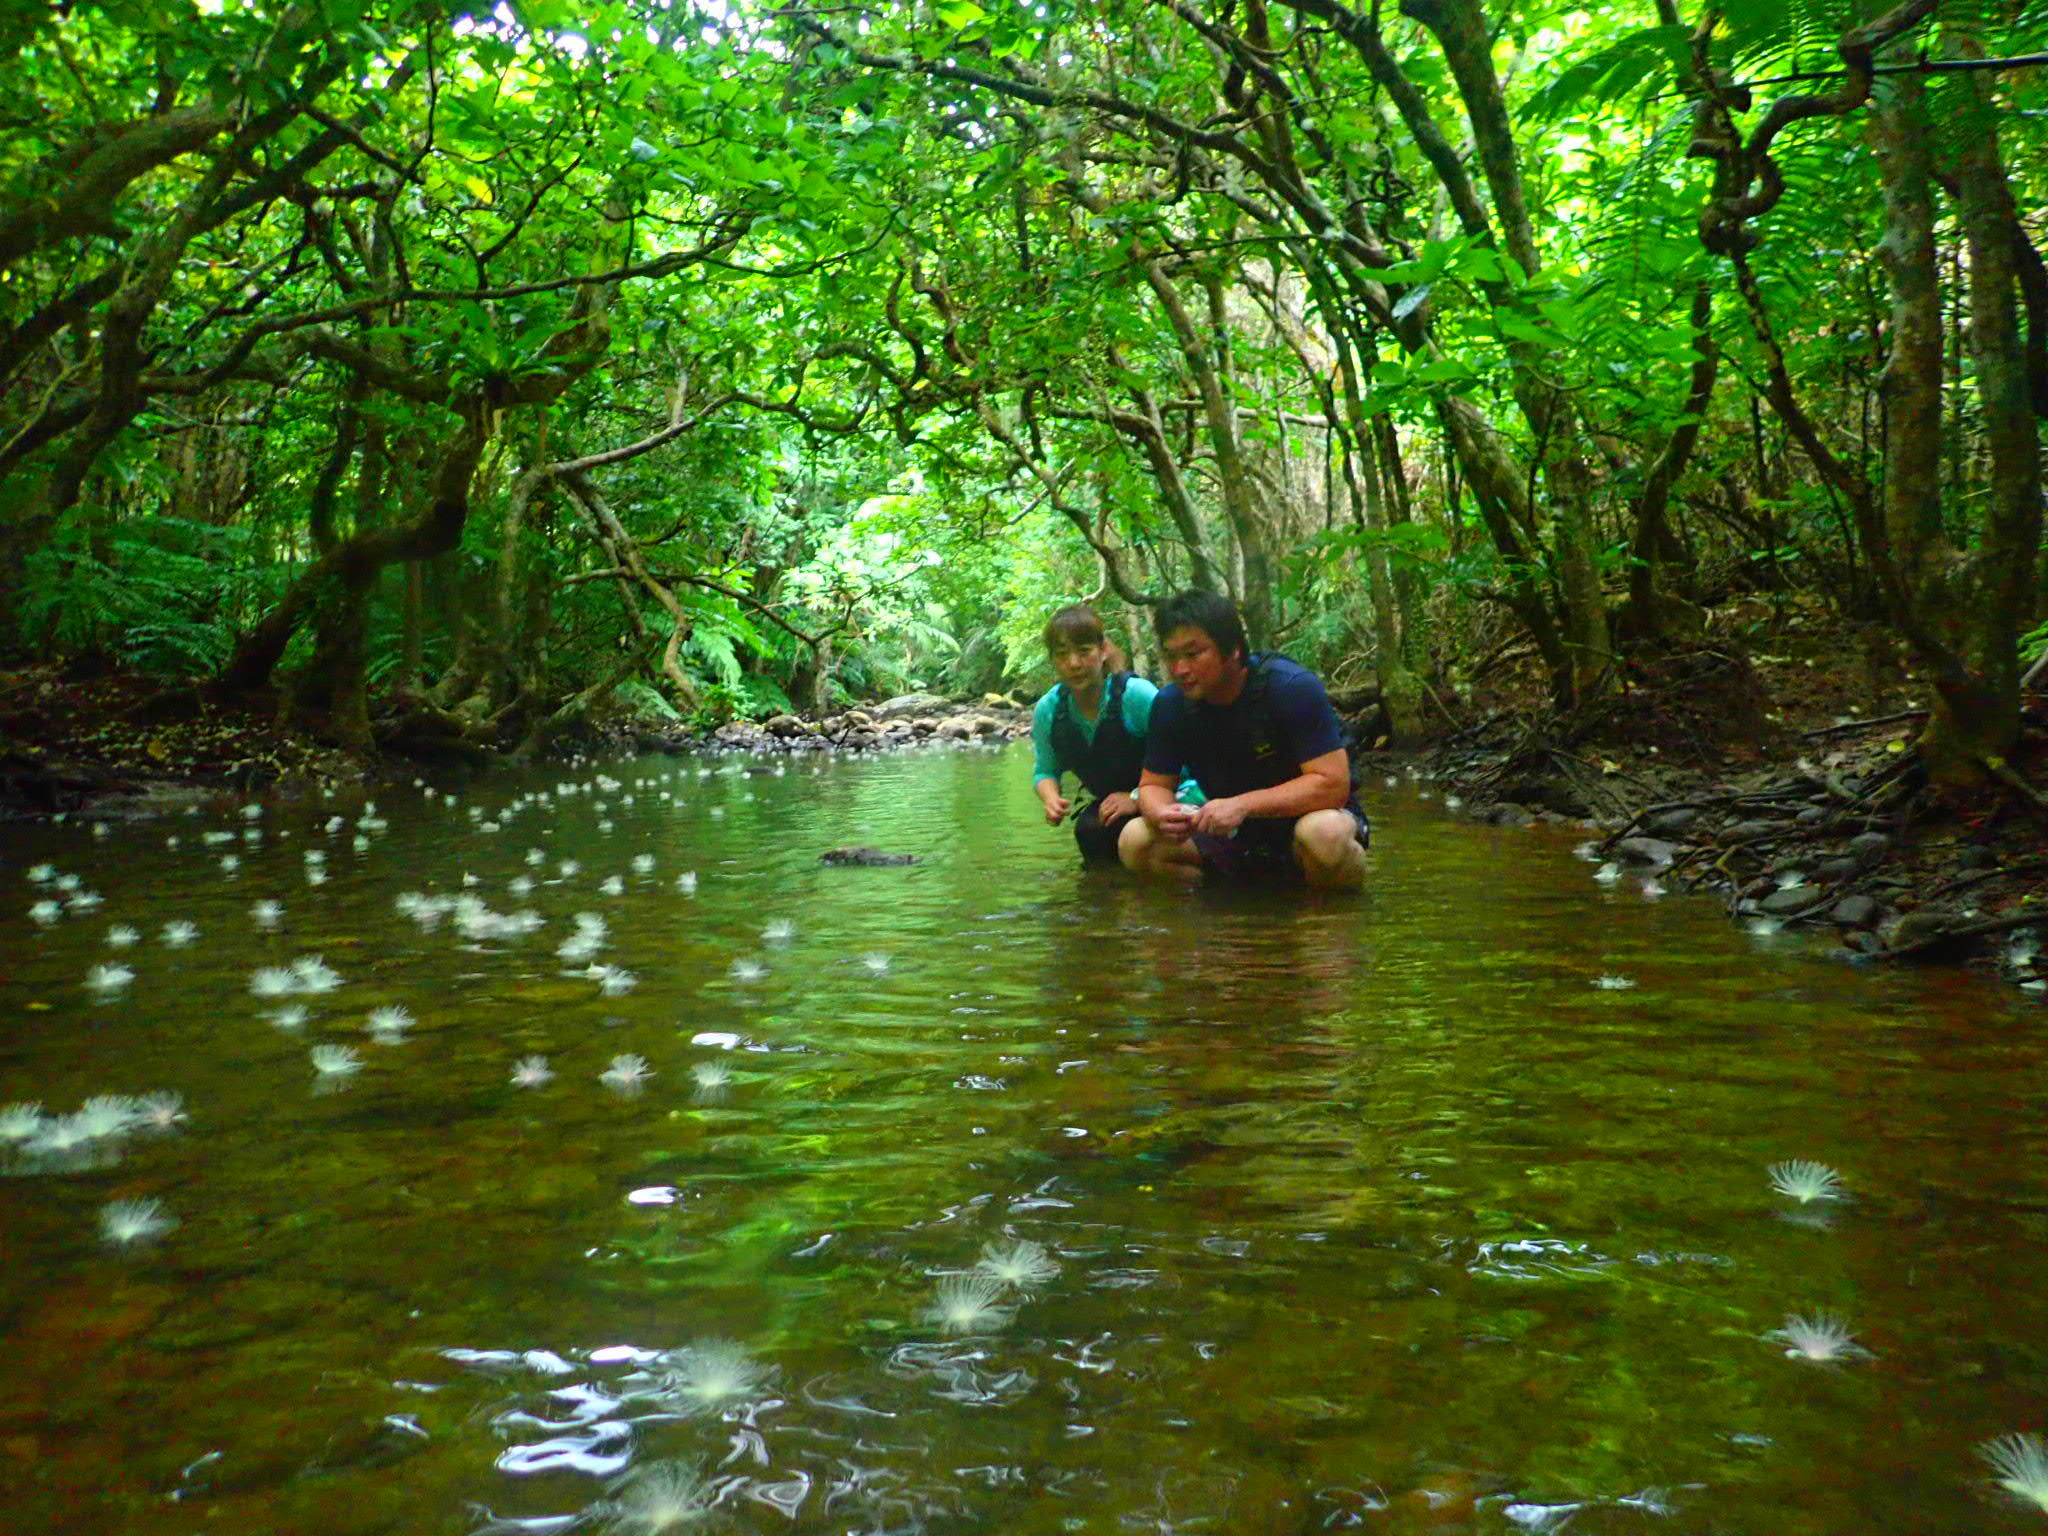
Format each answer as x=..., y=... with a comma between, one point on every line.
x=1175, y=823
x=1117, y=807
x=1220, y=818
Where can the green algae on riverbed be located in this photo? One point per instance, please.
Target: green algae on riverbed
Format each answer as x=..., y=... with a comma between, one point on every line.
x=1368, y=1212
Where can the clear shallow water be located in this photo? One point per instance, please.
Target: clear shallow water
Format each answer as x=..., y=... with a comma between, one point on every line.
x=1370, y=1213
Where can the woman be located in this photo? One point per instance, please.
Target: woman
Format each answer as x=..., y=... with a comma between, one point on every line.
x=1091, y=723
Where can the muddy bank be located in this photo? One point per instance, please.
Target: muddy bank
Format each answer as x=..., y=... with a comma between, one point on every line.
x=1839, y=835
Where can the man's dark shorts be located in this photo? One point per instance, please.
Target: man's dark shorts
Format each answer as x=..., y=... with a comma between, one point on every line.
x=1264, y=849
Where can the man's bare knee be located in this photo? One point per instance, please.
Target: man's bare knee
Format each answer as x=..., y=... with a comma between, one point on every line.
x=1327, y=848
x=1134, y=843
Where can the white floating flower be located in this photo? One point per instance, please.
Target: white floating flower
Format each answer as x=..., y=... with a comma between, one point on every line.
x=745, y=970
x=876, y=961
x=121, y=936
x=18, y=1122
x=712, y=1076
x=628, y=1073
x=1022, y=1264
x=336, y=1061
x=273, y=981
x=266, y=914
x=643, y=863
x=310, y=973
x=388, y=1025
x=289, y=1019
x=160, y=1111
x=127, y=1222
x=46, y=912
x=779, y=931
x=1608, y=873
x=1613, y=983
x=1804, y=1180
x=107, y=1114
x=1822, y=1337
x=704, y=1378
x=531, y=1072
x=42, y=874
x=616, y=980
x=970, y=1303
x=613, y=885
x=661, y=1497
x=108, y=979
x=686, y=882
x=2019, y=1463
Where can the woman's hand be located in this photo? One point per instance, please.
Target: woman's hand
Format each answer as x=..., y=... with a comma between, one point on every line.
x=1118, y=807
x=1056, y=807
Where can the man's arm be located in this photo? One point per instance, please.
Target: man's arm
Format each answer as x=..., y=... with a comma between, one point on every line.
x=1324, y=784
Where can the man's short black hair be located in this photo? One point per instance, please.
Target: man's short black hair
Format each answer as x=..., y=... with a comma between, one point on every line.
x=1211, y=612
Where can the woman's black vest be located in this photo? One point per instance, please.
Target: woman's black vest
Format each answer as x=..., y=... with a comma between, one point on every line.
x=1109, y=764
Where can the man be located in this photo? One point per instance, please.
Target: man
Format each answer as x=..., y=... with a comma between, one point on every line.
x=1258, y=734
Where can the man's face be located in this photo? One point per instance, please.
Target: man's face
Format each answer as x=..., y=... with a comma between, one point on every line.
x=1197, y=663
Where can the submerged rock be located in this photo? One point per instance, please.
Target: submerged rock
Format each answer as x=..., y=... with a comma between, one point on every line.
x=872, y=857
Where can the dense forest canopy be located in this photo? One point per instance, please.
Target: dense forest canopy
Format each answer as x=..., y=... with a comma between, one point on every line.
x=440, y=370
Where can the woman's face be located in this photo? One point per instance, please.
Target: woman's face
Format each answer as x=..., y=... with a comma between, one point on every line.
x=1078, y=663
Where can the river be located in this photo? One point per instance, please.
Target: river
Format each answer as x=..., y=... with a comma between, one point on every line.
x=985, y=1194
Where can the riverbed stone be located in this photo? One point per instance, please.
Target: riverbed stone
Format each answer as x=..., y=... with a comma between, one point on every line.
x=956, y=730
x=1675, y=822
x=1855, y=911
x=1793, y=899
x=1868, y=845
x=909, y=704
x=784, y=725
x=1647, y=850
x=1749, y=831
x=1835, y=871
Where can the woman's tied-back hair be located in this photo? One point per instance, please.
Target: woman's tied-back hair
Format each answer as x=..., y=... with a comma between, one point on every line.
x=1078, y=624
x=1215, y=615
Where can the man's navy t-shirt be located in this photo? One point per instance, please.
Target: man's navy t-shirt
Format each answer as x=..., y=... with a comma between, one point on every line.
x=1184, y=734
